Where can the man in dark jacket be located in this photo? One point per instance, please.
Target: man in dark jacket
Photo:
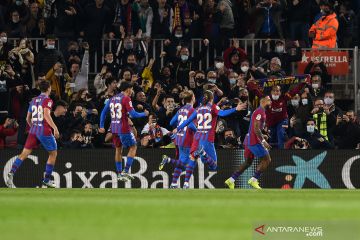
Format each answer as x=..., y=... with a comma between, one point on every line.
x=48, y=56
x=347, y=131
x=314, y=138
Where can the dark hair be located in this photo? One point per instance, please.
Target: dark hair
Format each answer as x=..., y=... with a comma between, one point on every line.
x=228, y=129
x=108, y=81
x=126, y=70
x=125, y=85
x=169, y=96
x=109, y=52
x=61, y=103
x=310, y=120
x=208, y=96
x=44, y=86
x=75, y=131
x=41, y=75
x=329, y=91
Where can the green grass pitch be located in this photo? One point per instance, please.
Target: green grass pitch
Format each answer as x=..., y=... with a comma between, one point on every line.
x=109, y=214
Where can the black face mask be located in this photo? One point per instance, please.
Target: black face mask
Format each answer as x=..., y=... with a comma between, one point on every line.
x=74, y=53
x=200, y=80
x=131, y=65
x=231, y=140
x=244, y=98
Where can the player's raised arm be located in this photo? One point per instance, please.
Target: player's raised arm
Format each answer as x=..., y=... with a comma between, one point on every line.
x=227, y=112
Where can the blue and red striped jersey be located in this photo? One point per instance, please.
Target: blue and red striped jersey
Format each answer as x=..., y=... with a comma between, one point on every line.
x=206, y=122
x=258, y=115
x=39, y=125
x=120, y=105
x=185, y=136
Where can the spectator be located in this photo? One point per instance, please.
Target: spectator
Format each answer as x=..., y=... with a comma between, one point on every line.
x=48, y=56
x=212, y=17
x=227, y=22
x=347, y=22
x=323, y=119
x=75, y=119
x=146, y=18
x=7, y=128
x=140, y=105
x=90, y=135
x=316, y=90
x=166, y=111
x=347, y=131
x=126, y=18
x=8, y=79
x=56, y=78
x=323, y=32
x=15, y=29
x=162, y=21
x=100, y=79
x=77, y=141
x=275, y=68
x=153, y=135
x=297, y=143
x=35, y=15
x=4, y=47
x=58, y=116
x=268, y=14
x=111, y=89
x=314, y=138
x=329, y=103
x=230, y=140
x=286, y=58
x=110, y=64
x=80, y=76
x=234, y=56
x=318, y=68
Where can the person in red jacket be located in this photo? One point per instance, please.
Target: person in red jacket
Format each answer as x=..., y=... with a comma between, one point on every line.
x=276, y=115
x=9, y=128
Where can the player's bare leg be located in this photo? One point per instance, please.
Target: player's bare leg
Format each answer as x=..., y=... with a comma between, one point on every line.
x=263, y=165
x=230, y=182
x=49, y=169
x=19, y=160
x=130, y=159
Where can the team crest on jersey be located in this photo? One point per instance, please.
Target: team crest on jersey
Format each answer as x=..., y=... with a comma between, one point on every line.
x=258, y=117
x=49, y=104
x=217, y=107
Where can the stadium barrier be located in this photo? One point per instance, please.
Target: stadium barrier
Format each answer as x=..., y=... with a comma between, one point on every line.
x=95, y=169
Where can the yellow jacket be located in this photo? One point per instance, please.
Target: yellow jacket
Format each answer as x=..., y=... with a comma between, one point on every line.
x=325, y=32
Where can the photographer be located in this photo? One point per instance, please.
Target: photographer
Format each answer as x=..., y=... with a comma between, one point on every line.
x=297, y=143
x=153, y=135
x=8, y=80
x=77, y=141
x=7, y=129
x=90, y=135
x=75, y=119
x=168, y=109
x=230, y=140
x=347, y=131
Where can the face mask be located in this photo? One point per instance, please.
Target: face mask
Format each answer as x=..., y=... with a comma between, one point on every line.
x=110, y=62
x=128, y=46
x=50, y=46
x=232, y=81
x=178, y=35
x=212, y=80
x=244, y=98
x=15, y=20
x=328, y=101
x=18, y=3
x=219, y=65
x=3, y=39
x=310, y=129
x=58, y=74
x=322, y=12
x=244, y=68
x=315, y=85
x=230, y=140
x=295, y=103
x=304, y=101
x=279, y=49
x=200, y=80
x=275, y=97
x=184, y=57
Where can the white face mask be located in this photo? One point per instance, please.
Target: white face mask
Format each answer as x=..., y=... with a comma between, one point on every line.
x=315, y=85
x=212, y=80
x=110, y=61
x=328, y=101
x=295, y=102
x=304, y=101
x=310, y=128
x=184, y=57
x=3, y=39
x=178, y=35
x=232, y=81
x=244, y=68
x=275, y=97
x=50, y=46
x=279, y=49
x=219, y=65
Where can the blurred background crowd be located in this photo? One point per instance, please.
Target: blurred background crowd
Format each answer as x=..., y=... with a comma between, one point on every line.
x=62, y=41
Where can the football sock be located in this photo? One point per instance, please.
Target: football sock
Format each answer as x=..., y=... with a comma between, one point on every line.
x=176, y=175
x=48, y=171
x=129, y=162
x=16, y=165
x=189, y=170
x=118, y=167
x=257, y=174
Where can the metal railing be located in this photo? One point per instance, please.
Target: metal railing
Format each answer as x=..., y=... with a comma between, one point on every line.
x=347, y=86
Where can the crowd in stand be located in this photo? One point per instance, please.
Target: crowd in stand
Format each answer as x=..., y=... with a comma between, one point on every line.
x=302, y=116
